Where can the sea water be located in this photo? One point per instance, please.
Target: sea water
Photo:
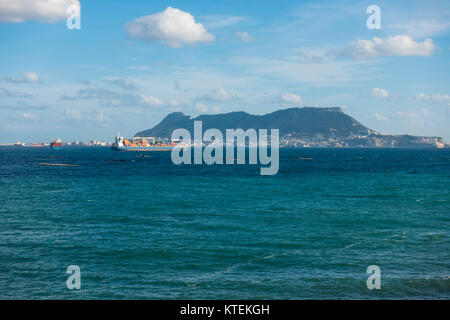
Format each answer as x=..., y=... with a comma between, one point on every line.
x=140, y=227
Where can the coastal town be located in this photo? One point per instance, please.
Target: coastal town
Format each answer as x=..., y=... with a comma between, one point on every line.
x=91, y=143
x=372, y=140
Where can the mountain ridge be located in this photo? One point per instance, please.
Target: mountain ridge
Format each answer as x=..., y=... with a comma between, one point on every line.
x=301, y=126
x=306, y=121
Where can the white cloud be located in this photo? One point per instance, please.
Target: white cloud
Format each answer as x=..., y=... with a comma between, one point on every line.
x=381, y=117
x=220, y=95
x=172, y=27
x=292, y=98
x=379, y=93
x=29, y=116
x=152, y=101
x=440, y=97
x=244, y=36
x=422, y=97
x=410, y=115
x=400, y=45
x=25, y=77
x=436, y=97
x=35, y=10
x=200, y=107
x=30, y=77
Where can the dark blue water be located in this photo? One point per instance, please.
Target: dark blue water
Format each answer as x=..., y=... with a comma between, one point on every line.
x=143, y=228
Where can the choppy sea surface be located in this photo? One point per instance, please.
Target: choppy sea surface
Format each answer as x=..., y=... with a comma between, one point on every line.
x=144, y=228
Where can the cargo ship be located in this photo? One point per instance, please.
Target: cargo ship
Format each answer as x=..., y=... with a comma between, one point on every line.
x=56, y=144
x=140, y=144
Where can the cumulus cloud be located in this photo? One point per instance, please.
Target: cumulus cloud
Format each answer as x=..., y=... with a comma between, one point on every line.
x=291, y=98
x=152, y=101
x=244, y=36
x=422, y=97
x=25, y=77
x=379, y=93
x=440, y=97
x=399, y=45
x=172, y=27
x=220, y=95
x=200, y=107
x=123, y=83
x=16, y=11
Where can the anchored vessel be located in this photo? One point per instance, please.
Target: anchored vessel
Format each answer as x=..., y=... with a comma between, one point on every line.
x=56, y=144
x=140, y=144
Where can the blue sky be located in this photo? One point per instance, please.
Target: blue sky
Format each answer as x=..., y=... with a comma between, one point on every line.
x=133, y=62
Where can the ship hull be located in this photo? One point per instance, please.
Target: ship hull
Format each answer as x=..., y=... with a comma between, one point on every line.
x=141, y=149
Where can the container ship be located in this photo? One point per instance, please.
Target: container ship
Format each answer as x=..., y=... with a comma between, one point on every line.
x=56, y=144
x=140, y=144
